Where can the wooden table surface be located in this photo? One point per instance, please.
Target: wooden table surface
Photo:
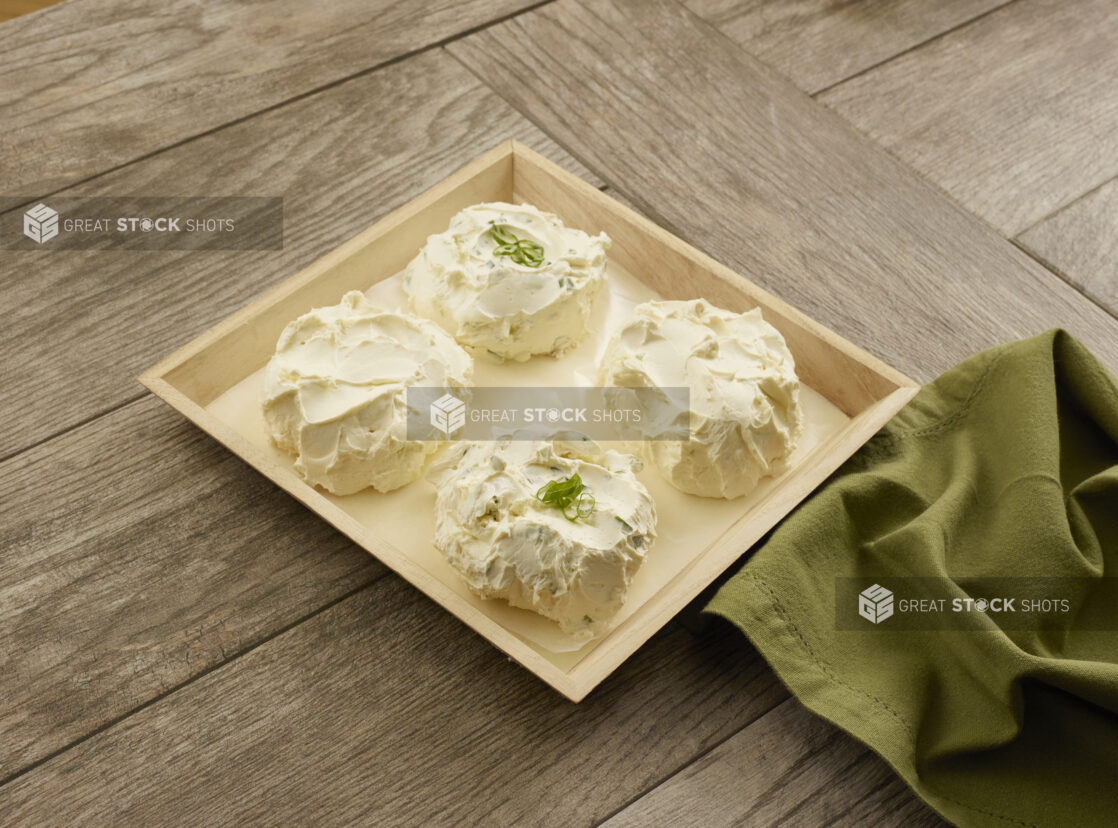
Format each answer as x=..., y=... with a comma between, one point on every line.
x=181, y=642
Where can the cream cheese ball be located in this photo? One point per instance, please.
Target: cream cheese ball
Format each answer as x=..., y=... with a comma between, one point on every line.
x=334, y=393
x=509, y=281
x=557, y=528
x=745, y=396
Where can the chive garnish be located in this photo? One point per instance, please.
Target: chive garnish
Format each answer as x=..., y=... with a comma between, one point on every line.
x=569, y=497
x=521, y=251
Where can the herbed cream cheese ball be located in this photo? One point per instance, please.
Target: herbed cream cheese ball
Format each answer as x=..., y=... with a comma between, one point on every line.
x=334, y=393
x=745, y=396
x=512, y=519
x=509, y=281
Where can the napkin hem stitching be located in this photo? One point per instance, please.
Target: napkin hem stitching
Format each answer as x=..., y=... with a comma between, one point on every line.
x=783, y=613
x=786, y=619
x=952, y=418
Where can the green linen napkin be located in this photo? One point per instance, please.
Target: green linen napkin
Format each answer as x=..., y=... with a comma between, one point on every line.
x=1007, y=465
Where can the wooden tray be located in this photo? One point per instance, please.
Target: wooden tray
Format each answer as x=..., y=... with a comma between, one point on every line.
x=863, y=387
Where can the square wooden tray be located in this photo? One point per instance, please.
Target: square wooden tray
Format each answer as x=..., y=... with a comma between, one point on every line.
x=863, y=387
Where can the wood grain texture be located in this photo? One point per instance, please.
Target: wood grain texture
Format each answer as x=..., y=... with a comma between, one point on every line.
x=719, y=149
x=90, y=321
x=383, y=711
x=817, y=43
x=92, y=84
x=786, y=768
x=1015, y=115
x=1081, y=243
x=138, y=553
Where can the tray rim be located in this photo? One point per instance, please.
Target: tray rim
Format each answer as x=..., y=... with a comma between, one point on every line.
x=623, y=640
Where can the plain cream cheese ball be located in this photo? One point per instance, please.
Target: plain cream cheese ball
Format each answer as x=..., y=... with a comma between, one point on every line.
x=506, y=542
x=509, y=281
x=746, y=417
x=334, y=393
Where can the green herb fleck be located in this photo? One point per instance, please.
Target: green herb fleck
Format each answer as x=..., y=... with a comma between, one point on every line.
x=522, y=251
x=624, y=523
x=588, y=619
x=569, y=497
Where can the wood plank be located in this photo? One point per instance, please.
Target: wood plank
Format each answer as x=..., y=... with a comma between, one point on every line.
x=719, y=149
x=395, y=748
x=782, y=769
x=383, y=711
x=818, y=43
x=90, y=321
x=93, y=84
x=1081, y=243
x=1015, y=115
x=138, y=553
